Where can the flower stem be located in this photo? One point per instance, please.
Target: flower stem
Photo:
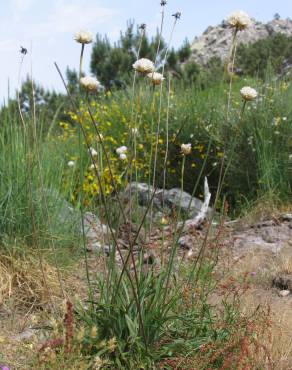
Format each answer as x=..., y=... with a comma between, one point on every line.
x=81, y=61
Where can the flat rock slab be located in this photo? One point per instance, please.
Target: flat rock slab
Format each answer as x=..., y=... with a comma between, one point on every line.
x=270, y=235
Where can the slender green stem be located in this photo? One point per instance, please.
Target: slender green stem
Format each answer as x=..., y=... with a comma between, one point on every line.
x=159, y=117
x=136, y=297
x=160, y=33
x=182, y=185
x=232, y=61
x=167, y=140
x=81, y=173
x=81, y=61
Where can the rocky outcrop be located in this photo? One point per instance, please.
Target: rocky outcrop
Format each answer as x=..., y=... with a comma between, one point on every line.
x=216, y=41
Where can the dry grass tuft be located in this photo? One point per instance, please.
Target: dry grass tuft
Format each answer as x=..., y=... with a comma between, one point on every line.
x=266, y=266
x=264, y=208
x=25, y=284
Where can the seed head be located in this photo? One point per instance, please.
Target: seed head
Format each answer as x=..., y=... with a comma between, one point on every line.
x=248, y=93
x=239, y=20
x=83, y=37
x=156, y=78
x=91, y=84
x=177, y=15
x=186, y=148
x=144, y=66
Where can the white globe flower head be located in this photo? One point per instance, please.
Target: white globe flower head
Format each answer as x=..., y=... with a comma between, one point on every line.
x=144, y=66
x=83, y=37
x=123, y=156
x=71, y=164
x=156, y=78
x=90, y=84
x=248, y=93
x=239, y=20
x=186, y=148
x=93, y=152
x=121, y=150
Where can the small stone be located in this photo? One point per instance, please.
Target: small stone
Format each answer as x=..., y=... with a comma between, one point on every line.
x=186, y=242
x=284, y=293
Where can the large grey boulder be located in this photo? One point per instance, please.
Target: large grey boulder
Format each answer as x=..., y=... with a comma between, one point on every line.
x=144, y=192
x=175, y=198
x=172, y=199
x=97, y=234
x=61, y=217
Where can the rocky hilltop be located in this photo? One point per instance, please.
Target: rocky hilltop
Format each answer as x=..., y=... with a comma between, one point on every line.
x=216, y=41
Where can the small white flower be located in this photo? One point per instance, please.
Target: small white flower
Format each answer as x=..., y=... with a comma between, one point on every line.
x=92, y=167
x=71, y=164
x=186, y=148
x=277, y=132
x=144, y=65
x=93, y=152
x=134, y=131
x=239, y=20
x=123, y=156
x=121, y=150
x=290, y=157
x=156, y=78
x=284, y=118
x=90, y=83
x=83, y=37
x=248, y=93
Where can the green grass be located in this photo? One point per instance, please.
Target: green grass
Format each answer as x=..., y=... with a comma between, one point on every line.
x=33, y=202
x=146, y=319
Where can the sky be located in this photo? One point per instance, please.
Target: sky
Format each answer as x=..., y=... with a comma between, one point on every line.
x=46, y=28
